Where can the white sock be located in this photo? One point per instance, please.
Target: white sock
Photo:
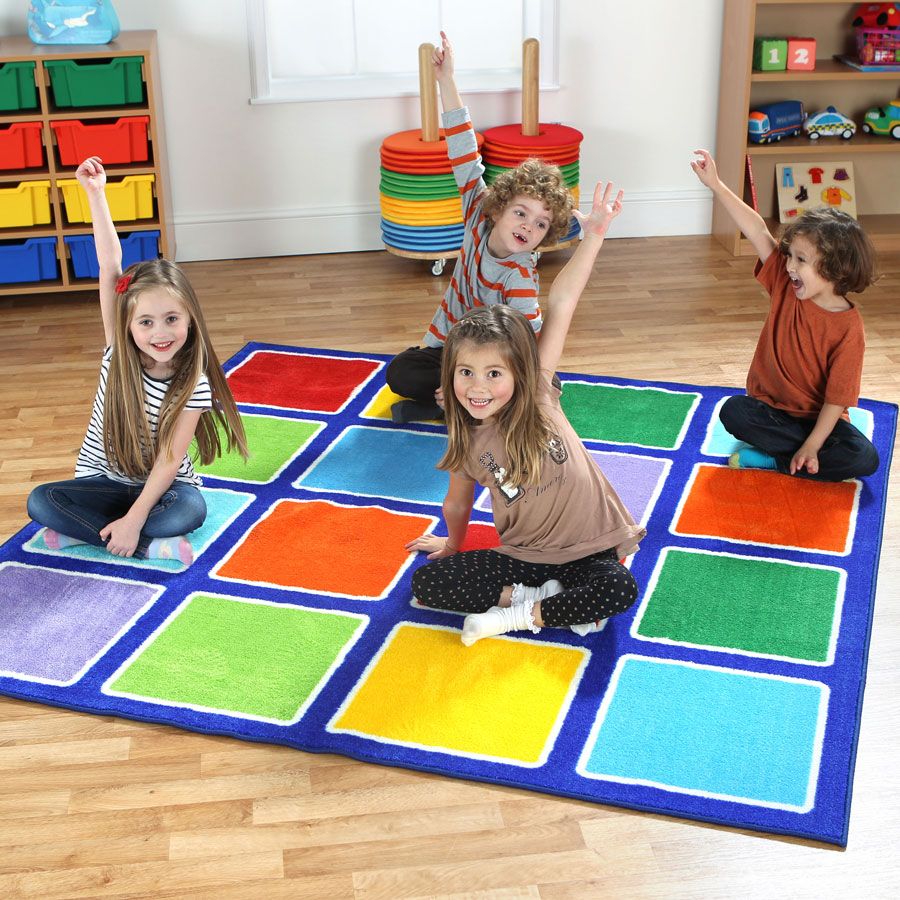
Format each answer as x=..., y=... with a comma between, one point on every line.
x=498, y=620
x=531, y=595
x=56, y=540
x=588, y=627
x=177, y=547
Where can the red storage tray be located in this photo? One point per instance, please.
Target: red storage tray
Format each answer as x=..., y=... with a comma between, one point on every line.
x=21, y=146
x=122, y=141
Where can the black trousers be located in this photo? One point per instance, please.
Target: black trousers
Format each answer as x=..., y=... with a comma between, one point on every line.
x=846, y=453
x=595, y=587
x=416, y=373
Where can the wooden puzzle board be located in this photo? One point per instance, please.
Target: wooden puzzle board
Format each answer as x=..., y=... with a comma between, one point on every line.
x=808, y=185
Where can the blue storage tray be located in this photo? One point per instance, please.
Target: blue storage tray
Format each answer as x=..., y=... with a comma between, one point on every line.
x=136, y=247
x=30, y=260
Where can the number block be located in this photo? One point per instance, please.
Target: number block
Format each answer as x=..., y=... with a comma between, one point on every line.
x=770, y=54
x=801, y=54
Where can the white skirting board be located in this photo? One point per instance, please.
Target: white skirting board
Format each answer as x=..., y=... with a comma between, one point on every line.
x=296, y=232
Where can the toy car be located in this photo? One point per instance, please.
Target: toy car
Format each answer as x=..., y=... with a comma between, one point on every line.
x=773, y=121
x=883, y=120
x=827, y=123
x=880, y=15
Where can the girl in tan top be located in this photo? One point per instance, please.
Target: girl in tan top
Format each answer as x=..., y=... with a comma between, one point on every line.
x=562, y=527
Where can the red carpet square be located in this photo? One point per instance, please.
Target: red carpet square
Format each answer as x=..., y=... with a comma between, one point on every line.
x=299, y=381
x=763, y=507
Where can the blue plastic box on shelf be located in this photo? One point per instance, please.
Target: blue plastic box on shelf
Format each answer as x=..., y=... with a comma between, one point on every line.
x=136, y=247
x=30, y=260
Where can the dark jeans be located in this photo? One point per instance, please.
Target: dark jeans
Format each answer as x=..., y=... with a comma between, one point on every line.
x=82, y=507
x=595, y=587
x=416, y=373
x=846, y=453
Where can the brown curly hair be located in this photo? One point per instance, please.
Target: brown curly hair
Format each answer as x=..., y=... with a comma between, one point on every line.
x=541, y=181
x=845, y=255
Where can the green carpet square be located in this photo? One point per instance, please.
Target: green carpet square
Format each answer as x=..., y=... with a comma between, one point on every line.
x=248, y=658
x=644, y=417
x=272, y=442
x=757, y=606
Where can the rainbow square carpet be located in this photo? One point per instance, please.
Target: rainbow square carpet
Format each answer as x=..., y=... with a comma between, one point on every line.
x=730, y=693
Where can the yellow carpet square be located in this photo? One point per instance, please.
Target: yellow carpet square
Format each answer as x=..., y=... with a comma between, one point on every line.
x=380, y=406
x=502, y=699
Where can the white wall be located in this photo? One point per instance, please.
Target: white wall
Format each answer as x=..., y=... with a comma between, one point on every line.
x=639, y=79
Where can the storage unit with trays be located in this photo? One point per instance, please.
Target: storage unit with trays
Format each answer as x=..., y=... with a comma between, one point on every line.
x=831, y=83
x=59, y=105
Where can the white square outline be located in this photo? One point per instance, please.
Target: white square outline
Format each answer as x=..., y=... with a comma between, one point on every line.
x=552, y=735
x=851, y=525
x=296, y=589
x=107, y=689
x=379, y=365
x=716, y=648
x=689, y=415
x=818, y=738
x=298, y=482
x=157, y=590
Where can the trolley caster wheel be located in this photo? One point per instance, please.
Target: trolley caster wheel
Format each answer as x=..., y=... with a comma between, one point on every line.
x=438, y=266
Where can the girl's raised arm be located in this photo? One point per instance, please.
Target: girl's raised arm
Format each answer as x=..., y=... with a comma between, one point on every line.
x=569, y=284
x=92, y=177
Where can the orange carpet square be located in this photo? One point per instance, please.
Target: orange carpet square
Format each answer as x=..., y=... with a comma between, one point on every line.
x=766, y=507
x=316, y=545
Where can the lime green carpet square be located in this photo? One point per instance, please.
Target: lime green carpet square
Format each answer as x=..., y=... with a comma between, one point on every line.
x=272, y=443
x=250, y=658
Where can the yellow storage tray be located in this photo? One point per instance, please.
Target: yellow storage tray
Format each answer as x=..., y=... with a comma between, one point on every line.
x=25, y=205
x=128, y=199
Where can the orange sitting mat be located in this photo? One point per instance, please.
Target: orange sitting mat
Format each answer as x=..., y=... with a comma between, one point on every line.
x=410, y=143
x=407, y=169
x=510, y=162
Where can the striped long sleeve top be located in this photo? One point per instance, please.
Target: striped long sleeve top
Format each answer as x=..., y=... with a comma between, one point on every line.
x=479, y=278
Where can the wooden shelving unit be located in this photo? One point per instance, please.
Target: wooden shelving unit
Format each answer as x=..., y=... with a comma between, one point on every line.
x=128, y=43
x=876, y=159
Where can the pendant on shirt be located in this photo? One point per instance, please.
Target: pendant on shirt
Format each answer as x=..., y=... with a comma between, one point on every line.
x=511, y=492
x=557, y=450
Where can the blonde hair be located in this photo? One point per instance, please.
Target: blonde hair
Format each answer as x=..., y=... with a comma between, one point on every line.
x=541, y=181
x=127, y=436
x=523, y=425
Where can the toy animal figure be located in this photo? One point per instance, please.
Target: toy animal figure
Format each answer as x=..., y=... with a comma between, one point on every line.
x=66, y=22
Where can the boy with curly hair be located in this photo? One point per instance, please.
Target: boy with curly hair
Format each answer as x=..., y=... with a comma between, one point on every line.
x=524, y=209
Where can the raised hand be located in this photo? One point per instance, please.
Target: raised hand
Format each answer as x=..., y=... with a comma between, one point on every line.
x=442, y=59
x=604, y=209
x=91, y=175
x=705, y=168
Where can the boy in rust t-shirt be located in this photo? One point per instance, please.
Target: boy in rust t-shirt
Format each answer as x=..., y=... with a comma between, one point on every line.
x=808, y=362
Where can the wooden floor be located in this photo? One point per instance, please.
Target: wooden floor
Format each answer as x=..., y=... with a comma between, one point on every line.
x=102, y=807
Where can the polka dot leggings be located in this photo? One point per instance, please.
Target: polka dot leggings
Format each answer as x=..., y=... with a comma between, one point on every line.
x=595, y=587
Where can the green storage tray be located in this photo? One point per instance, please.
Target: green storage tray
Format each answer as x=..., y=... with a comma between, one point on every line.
x=17, y=87
x=90, y=82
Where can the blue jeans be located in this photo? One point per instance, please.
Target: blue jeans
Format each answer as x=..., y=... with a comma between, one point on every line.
x=846, y=453
x=82, y=507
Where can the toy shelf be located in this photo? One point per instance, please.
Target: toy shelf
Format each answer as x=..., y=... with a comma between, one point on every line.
x=135, y=54
x=831, y=83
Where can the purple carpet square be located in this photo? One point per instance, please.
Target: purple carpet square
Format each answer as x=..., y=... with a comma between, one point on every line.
x=637, y=480
x=55, y=625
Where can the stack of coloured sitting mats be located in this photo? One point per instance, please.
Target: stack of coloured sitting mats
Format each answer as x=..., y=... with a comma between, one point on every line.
x=421, y=210
x=508, y=145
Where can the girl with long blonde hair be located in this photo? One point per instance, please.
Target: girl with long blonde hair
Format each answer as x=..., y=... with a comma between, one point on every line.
x=161, y=386
x=562, y=527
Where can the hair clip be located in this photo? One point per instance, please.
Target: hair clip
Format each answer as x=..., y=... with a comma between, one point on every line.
x=122, y=284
